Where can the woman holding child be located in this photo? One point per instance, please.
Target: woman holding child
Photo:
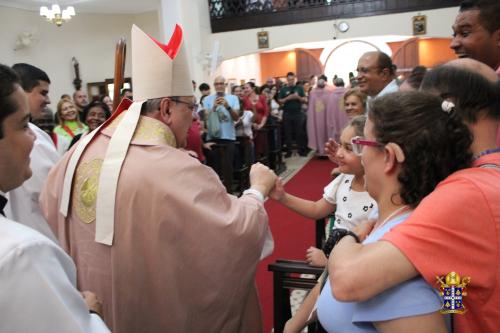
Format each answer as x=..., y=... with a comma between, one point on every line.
x=411, y=142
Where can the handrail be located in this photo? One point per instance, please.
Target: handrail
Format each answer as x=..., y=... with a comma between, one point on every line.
x=226, y=15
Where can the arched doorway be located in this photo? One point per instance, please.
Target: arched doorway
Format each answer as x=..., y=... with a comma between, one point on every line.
x=343, y=58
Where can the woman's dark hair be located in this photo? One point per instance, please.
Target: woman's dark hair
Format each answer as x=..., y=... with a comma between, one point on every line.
x=94, y=104
x=233, y=88
x=472, y=94
x=416, y=76
x=435, y=143
x=8, y=82
x=254, y=87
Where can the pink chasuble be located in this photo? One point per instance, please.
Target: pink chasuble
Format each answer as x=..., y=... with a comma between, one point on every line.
x=184, y=253
x=317, y=127
x=336, y=117
x=325, y=117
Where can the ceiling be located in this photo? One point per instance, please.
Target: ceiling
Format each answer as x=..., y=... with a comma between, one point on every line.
x=89, y=6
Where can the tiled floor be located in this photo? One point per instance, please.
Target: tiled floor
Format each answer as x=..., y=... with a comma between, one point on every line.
x=293, y=165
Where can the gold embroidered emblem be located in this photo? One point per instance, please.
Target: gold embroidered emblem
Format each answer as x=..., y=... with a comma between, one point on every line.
x=85, y=190
x=319, y=106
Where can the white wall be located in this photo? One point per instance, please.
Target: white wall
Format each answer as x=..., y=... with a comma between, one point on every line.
x=91, y=38
x=241, y=68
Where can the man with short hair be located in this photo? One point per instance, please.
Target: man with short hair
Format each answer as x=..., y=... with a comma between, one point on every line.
x=455, y=228
x=37, y=279
x=376, y=74
x=153, y=231
x=476, y=32
x=291, y=97
x=23, y=204
x=204, y=89
x=81, y=101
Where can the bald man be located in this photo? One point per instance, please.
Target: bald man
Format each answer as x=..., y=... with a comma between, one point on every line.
x=376, y=74
x=455, y=228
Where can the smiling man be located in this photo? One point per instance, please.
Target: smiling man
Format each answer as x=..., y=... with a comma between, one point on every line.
x=23, y=201
x=476, y=32
x=376, y=75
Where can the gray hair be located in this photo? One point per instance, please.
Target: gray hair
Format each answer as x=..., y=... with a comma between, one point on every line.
x=151, y=105
x=220, y=78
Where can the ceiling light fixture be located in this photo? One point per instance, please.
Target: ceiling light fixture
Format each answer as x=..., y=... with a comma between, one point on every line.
x=55, y=15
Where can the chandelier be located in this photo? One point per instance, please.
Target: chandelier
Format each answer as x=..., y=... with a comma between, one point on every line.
x=55, y=15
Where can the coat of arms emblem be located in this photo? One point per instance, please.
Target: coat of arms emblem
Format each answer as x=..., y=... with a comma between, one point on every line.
x=453, y=290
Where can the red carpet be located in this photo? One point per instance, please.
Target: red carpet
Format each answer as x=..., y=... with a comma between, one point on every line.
x=292, y=233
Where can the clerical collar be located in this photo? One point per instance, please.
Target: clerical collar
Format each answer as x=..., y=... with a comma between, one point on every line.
x=3, y=202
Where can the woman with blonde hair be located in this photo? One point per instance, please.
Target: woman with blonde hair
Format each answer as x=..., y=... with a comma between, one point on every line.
x=69, y=122
x=354, y=103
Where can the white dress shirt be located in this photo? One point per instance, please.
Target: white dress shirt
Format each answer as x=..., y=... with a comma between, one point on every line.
x=23, y=201
x=38, y=285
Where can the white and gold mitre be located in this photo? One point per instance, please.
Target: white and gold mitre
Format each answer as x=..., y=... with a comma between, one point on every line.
x=159, y=70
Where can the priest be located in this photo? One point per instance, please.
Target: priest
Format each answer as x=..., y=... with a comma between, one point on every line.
x=153, y=231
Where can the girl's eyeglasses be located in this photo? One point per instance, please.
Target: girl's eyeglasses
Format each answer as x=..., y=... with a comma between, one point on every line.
x=358, y=142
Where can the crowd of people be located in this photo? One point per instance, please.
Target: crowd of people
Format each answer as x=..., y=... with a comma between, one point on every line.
x=110, y=224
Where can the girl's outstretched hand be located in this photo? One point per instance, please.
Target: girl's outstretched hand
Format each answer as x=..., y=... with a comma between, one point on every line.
x=278, y=192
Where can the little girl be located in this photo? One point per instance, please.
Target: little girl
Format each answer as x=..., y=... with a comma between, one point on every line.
x=345, y=195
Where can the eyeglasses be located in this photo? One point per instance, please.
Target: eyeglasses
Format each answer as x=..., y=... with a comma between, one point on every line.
x=192, y=106
x=358, y=142
x=365, y=70
x=219, y=83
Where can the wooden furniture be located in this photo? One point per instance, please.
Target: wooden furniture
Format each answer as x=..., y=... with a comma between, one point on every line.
x=287, y=275
x=243, y=162
x=275, y=157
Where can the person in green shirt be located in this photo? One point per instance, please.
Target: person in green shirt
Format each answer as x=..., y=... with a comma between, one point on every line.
x=291, y=97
